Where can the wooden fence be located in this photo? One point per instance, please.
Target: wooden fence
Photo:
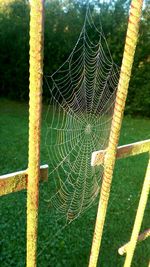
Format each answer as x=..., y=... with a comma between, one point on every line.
x=30, y=178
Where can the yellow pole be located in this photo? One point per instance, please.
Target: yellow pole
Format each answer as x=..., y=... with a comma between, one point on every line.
x=139, y=218
x=35, y=103
x=110, y=156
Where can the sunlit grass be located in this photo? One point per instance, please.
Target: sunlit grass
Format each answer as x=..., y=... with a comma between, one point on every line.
x=71, y=246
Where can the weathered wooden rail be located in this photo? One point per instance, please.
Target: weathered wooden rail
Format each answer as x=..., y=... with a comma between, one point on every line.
x=122, y=250
x=18, y=181
x=122, y=152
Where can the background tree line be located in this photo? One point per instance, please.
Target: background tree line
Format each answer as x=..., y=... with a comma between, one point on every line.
x=63, y=22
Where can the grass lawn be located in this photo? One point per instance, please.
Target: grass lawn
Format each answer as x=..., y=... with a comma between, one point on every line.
x=71, y=246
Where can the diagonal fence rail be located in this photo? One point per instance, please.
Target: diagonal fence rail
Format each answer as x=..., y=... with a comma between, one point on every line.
x=122, y=250
x=122, y=152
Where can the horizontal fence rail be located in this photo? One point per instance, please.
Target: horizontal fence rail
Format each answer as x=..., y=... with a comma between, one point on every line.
x=122, y=250
x=122, y=152
x=17, y=181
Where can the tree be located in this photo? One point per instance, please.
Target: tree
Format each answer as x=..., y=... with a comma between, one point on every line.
x=63, y=23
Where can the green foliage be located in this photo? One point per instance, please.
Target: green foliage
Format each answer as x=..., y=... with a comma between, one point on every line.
x=14, y=36
x=63, y=22
x=138, y=101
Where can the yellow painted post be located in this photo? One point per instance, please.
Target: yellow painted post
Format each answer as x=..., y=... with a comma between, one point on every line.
x=139, y=218
x=110, y=156
x=35, y=103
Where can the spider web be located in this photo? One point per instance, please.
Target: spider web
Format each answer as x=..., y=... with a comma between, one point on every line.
x=79, y=118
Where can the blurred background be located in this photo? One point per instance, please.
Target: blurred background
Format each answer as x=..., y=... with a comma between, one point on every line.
x=63, y=23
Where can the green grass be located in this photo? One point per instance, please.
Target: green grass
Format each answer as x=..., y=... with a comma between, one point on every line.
x=71, y=247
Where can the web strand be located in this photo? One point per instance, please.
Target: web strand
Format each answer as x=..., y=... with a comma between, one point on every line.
x=79, y=120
